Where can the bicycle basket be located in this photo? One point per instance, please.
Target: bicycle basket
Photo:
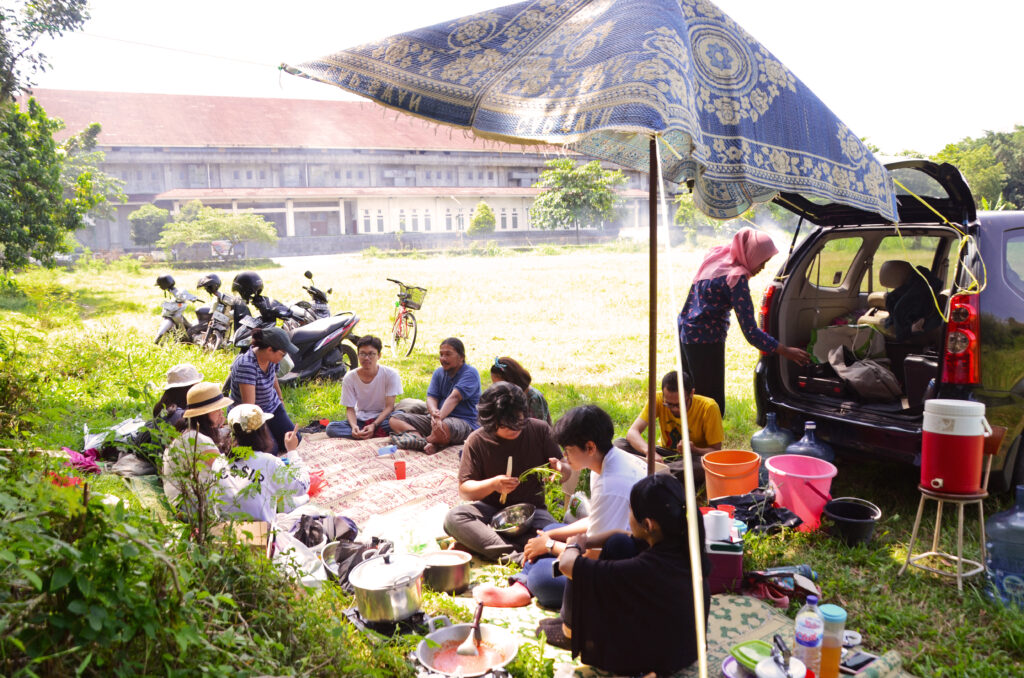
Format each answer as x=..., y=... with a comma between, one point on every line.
x=414, y=296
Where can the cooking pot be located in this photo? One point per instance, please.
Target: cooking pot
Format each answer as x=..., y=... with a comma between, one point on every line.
x=447, y=571
x=514, y=521
x=389, y=587
x=437, y=651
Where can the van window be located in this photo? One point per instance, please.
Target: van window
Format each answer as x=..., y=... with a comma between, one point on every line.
x=919, y=250
x=833, y=261
x=1015, y=262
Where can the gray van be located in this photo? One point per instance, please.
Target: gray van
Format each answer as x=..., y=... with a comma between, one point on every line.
x=962, y=339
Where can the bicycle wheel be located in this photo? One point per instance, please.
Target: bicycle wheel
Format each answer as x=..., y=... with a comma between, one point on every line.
x=403, y=334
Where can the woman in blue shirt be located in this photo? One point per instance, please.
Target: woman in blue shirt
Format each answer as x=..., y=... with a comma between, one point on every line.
x=722, y=284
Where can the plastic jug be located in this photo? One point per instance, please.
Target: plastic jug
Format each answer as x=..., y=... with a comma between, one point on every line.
x=810, y=446
x=1004, y=549
x=770, y=441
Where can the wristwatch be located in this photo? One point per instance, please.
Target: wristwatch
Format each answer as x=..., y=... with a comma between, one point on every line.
x=549, y=545
x=574, y=545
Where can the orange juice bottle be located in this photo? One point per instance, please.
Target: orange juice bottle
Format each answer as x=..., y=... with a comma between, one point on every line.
x=832, y=643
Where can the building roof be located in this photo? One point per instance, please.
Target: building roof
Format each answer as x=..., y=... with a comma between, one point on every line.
x=334, y=192
x=175, y=120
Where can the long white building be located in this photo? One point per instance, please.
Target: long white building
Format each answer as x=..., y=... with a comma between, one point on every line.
x=330, y=175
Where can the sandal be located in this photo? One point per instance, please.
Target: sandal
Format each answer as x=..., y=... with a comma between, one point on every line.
x=408, y=441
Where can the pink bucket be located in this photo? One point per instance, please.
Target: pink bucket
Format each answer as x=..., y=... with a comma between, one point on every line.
x=801, y=485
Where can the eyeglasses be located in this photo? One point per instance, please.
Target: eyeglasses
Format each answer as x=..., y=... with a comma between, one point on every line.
x=368, y=355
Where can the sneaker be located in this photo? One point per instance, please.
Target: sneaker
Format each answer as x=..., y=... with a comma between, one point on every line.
x=408, y=441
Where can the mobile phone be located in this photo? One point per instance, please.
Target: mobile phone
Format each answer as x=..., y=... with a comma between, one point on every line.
x=856, y=662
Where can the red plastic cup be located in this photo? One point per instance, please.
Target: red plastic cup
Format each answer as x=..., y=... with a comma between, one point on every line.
x=400, y=469
x=324, y=422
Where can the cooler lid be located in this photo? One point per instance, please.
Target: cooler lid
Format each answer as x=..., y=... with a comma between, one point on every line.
x=954, y=408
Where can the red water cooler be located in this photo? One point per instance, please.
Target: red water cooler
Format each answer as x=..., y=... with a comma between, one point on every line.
x=952, y=445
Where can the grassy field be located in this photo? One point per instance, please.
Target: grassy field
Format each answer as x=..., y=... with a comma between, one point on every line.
x=578, y=320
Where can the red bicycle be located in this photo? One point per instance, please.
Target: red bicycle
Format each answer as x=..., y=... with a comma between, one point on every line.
x=403, y=330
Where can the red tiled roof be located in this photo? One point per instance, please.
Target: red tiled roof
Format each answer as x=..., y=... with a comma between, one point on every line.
x=333, y=193
x=174, y=120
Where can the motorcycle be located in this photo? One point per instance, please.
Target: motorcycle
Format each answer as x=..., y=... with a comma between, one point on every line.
x=268, y=312
x=173, y=311
x=304, y=312
x=215, y=326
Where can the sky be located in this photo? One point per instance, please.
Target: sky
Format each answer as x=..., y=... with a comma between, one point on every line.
x=905, y=74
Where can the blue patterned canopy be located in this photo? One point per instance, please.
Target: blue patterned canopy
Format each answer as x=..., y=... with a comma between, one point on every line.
x=601, y=76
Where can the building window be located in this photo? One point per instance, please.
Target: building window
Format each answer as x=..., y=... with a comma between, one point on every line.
x=181, y=175
x=236, y=174
x=448, y=219
x=348, y=174
x=426, y=220
x=415, y=221
x=504, y=219
x=490, y=176
x=138, y=175
x=152, y=176
x=263, y=174
x=460, y=220
x=380, y=221
x=480, y=175
x=366, y=221
x=337, y=174
x=401, y=220
x=360, y=174
x=248, y=174
x=449, y=175
x=515, y=218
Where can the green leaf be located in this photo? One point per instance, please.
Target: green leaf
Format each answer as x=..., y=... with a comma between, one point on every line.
x=61, y=577
x=78, y=606
x=33, y=579
x=96, y=616
x=84, y=664
x=227, y=600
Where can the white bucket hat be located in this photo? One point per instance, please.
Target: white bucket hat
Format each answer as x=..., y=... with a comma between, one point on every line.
x=249, y=417
x=183, y=374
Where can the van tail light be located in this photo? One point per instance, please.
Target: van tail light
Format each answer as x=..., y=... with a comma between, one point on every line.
x=766, y=306
x=962, y=361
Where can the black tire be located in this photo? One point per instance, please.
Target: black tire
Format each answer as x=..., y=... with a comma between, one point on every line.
x=214, y=340
x=403, y=339
x=348, y=357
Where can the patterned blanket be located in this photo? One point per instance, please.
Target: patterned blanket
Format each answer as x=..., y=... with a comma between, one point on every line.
x=361, y=484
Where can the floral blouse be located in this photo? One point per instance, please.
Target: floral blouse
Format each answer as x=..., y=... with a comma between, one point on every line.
x=705, y=315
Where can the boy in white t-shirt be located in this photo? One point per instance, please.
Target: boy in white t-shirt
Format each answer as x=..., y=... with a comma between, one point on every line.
x=368, y=394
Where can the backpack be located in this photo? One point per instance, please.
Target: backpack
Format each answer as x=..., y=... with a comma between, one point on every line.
x=912, y=306
x=869, y=379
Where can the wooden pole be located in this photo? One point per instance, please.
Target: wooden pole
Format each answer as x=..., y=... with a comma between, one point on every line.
x=652, y=340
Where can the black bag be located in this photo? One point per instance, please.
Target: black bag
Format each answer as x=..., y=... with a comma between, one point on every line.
x=311, y=530
x=350, y=553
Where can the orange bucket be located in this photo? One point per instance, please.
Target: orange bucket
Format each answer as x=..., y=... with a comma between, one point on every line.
x=729, y=472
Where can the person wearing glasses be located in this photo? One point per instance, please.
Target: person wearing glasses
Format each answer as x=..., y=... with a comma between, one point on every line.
x=368, y=394
x=702, y=419
x=506, y=434
x=254, y=380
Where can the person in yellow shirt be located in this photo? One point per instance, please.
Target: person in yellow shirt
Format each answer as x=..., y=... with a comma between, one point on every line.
x=702, y=416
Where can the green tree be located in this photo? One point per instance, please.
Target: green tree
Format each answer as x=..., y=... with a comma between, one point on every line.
x=985, y=175
x=22, y=24
x=81, y=157
x=37, y=212
x=483, y=219
x=691, y=219
x=197, y=223
x=147, y=222
x=574, y=194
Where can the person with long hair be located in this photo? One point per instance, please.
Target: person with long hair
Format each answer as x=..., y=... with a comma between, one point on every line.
x=254, y=380
x=630, y=612
x=173, y=401
x=508, y=369
x=721, y=285
x=193, y=459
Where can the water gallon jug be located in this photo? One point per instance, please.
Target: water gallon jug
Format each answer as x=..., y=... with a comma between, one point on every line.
x=952, y=445
x=810, y=446
x=770, y=441
x=1004, y=548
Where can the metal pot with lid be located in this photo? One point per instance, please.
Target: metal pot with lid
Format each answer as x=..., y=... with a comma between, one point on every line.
x=388, y=587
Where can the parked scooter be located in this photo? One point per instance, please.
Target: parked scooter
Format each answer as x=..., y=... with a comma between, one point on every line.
x=173, y=311
x=215, y=325
x=321, y=351
x=305, y=312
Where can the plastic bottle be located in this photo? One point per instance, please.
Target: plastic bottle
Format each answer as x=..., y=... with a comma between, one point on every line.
x=810, y=630
x=810, y=446
x=832, y=642
x=768, y=442
x=387, y=449
x=1004, y=548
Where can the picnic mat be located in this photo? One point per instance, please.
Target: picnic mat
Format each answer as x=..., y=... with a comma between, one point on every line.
x=361, y=484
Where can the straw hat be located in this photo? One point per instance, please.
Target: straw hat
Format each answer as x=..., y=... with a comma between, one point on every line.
x=249, y=417
x=183, y=374
x=205, y=397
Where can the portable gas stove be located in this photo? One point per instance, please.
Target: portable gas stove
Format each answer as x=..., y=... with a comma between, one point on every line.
x=417, y=624
x=423, y=672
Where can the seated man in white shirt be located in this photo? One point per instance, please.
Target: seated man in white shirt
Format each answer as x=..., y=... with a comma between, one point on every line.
x=368, y=394
x=585, y=433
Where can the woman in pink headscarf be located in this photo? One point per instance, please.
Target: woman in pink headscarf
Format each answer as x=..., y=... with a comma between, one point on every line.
x=721, y=284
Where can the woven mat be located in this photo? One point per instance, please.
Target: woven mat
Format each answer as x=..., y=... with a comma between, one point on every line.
x=362, y=484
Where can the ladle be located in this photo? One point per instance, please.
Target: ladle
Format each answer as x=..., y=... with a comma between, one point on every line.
x=469, y=647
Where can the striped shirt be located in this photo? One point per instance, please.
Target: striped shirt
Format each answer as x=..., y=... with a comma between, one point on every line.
x=246, y=370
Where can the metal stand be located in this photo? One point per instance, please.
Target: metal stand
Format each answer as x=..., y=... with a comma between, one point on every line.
x=960, y=500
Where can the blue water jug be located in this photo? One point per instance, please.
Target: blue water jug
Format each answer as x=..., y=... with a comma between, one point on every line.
x=1004, y=546
x=768, y=442
x=810, y=446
